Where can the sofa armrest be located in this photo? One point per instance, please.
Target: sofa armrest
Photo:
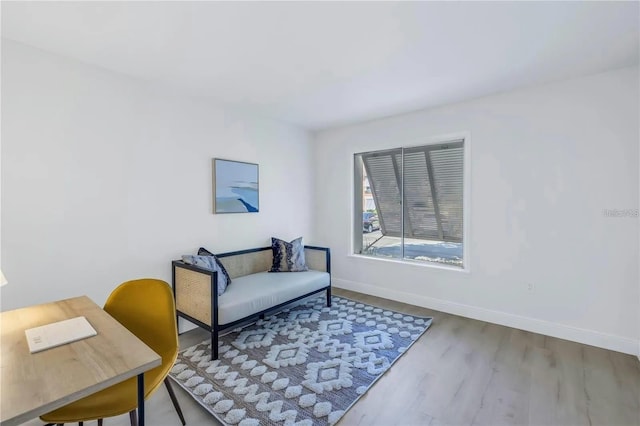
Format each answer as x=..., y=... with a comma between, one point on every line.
x=195, y=291
x=318, y=258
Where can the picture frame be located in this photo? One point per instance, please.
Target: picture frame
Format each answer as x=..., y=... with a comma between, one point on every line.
x=235, y=187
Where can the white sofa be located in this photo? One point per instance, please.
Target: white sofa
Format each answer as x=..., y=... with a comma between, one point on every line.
x=253, y=291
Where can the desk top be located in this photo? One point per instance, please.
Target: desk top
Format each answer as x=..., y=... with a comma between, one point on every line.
x=34, y=384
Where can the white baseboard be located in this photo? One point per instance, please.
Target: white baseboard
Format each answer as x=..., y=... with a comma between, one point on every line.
x=561, y=331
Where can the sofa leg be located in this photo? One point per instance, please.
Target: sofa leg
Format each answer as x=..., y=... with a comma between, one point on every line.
x=329, y=297
x=214, y=344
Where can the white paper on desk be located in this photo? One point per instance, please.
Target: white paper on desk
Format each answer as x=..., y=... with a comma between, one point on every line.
x=58, y=333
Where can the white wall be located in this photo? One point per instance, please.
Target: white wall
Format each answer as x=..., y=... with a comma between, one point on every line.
x=103, y=180
x=545, y=163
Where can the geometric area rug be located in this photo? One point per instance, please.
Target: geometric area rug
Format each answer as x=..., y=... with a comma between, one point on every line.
x=306, y=365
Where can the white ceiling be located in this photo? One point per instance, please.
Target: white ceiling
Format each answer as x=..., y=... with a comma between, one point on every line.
x=325, y=64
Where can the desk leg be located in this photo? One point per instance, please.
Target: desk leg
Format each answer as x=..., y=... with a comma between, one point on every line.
x=141, y=399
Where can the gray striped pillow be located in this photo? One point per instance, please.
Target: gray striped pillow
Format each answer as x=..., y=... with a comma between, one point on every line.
x=288, y=257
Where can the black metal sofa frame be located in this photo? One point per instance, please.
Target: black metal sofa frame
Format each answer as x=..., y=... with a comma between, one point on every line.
x=195, y=289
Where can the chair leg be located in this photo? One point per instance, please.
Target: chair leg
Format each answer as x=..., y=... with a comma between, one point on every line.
x=133, y=418
x=329, y=297
x=99, y=422
x=172, y=395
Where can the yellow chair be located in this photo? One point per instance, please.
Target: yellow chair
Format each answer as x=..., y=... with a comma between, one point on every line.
x=145, y=307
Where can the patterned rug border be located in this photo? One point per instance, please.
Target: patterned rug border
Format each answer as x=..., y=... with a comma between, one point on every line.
x=219, y=419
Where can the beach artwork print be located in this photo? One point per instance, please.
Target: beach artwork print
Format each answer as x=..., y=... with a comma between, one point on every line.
x=236, y=187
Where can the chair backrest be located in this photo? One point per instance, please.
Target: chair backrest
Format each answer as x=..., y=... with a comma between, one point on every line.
x=146, y=308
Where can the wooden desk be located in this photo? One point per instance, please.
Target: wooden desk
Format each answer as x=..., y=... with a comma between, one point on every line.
x=34, y=384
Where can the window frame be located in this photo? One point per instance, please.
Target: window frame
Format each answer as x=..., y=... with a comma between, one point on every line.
x=466, y=199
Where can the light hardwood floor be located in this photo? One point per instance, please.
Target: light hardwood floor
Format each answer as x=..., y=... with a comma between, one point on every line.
x=467, y=372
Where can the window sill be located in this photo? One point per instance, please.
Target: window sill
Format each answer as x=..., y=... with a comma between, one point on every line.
x=418, y=263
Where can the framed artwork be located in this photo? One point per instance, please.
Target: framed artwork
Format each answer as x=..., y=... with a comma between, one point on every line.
x=235, y=186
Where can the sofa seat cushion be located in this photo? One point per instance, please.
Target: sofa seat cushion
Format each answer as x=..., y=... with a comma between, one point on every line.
x=253, y=293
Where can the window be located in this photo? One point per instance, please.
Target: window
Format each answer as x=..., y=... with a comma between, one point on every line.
x=409, y=203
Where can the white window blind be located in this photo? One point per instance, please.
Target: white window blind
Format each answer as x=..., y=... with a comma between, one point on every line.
x=425, y=183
